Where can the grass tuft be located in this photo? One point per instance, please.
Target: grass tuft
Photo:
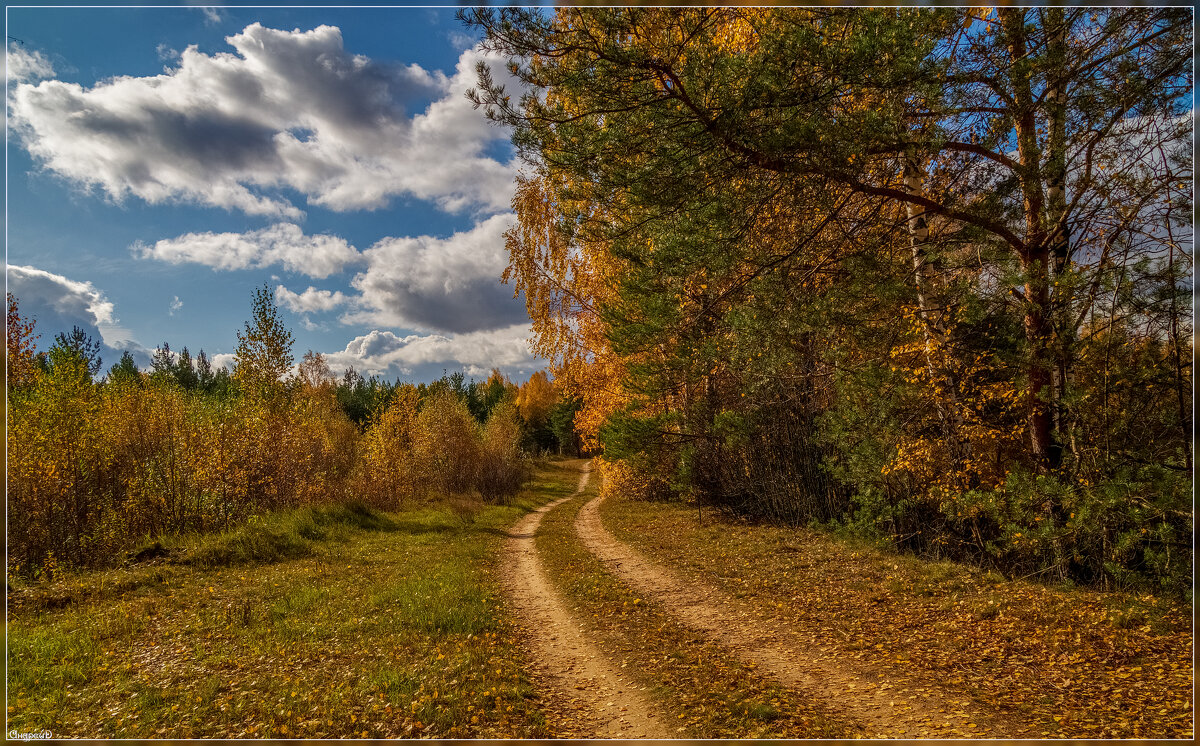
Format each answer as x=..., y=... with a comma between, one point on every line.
x=253, y=544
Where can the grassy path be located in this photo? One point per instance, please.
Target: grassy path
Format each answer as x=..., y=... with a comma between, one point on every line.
x=608, y=704
x=703, y=690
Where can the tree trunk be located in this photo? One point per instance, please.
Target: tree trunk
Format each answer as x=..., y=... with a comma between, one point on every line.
x=1039, y=331
x=1058, y=231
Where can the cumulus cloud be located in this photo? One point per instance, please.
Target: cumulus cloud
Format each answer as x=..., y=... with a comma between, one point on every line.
x=223, y=360
x=58, y=303
x=284, y=110
x=439, y=284
x=21, y=64
x=426, y=283
x=383, y=352
x=310, y=301
x=317, y=256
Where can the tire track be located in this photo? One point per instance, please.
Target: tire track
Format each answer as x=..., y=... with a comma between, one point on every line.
x=795, y=659
x=576, y=672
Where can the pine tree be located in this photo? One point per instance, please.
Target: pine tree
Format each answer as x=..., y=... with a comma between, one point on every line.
x=124, y=370
x=76, y=348
x=162, y=362
x=185, y=371
x=204, y=372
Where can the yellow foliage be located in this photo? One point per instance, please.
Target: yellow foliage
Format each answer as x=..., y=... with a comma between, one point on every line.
x=387, y=473
x=535, y=398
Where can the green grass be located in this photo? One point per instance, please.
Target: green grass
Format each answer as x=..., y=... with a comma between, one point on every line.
x=708, y=693
x=319, y=622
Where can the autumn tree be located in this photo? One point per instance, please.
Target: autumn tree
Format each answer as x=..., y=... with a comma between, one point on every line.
x=19, y=337
x=535, y=399
x=264, y=350
x=313, y=373
x=502, y=468
x=388, y=472
x=447, y=443
x=814, y=277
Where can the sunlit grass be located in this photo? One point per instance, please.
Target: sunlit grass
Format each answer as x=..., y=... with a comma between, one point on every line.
x=331, y=622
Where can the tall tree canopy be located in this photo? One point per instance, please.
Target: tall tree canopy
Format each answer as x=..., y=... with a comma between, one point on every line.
x=793, y=257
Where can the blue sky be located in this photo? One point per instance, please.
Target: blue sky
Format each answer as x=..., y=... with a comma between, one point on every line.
x=163, y=162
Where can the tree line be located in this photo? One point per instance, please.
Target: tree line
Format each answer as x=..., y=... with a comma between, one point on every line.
x=922, y=273
x=97, y=466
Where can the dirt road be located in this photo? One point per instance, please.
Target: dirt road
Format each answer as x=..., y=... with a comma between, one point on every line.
x=592, y=699
x=792, y=657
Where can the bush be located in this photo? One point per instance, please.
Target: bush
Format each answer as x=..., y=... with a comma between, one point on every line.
x=502, y=468
x=388, y=472
x=447, y=444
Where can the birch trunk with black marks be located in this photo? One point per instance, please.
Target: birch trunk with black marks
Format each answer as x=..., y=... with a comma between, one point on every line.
x=932, y=328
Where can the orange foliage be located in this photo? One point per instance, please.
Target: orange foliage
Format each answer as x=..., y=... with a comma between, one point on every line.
x=564, y=283
x=18, y=347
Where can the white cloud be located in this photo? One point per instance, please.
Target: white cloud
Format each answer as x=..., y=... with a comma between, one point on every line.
x=460, y=40
x=21, y=64
x=176, y=304
x=223, y=360
x=317, y=256
x=424, y=283
x=310, y=301
x=57, y=303
x=63, y=297
x=382, y=352
x=212, y=16
x=439, y=284
x=286, y=109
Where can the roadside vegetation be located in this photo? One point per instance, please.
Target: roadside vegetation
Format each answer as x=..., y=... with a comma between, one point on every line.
x=898, y=300
x=313, y=622
x=99, y=465
x=923, y=272
x=1072, y=662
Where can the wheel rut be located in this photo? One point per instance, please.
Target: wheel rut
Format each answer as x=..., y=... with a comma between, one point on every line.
x=791, y=656
x=590, y=693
